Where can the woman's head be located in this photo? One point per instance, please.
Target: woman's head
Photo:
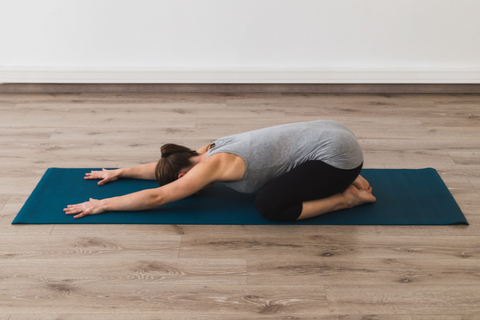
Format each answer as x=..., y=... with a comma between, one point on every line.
x=174, y=159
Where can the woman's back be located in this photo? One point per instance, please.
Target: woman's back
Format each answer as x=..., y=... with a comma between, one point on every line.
x=272, y=151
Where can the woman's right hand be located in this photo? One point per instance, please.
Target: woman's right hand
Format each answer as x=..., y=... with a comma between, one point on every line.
x=105, y=175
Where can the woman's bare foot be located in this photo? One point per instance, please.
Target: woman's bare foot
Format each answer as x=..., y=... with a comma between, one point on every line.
x=362, y=184
x=355, y=197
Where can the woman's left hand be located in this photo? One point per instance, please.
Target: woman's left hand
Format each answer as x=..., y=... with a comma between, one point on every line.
x=84, y=209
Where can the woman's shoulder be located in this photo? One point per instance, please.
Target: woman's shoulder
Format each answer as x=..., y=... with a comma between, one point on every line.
x=223, y=158
x=230, y=167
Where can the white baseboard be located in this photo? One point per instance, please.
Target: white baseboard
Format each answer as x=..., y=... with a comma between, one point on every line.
x=303, y=75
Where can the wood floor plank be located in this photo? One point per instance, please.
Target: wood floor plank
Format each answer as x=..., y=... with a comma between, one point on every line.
x=131, y=107
x=404, y=299
x=446, y=317
x=453, y=132
x=11, y=134
x=115, y=98
x=24, y=164
x=22, y=230
x=248, y=300
x=7, y=105
x=39, y=247
x=418, y=111
x=32, y=114
x=117, y=229
x=135, y=269
x=448, y=145
x=465, y=157
x=295, y=230
x=138, y=316
x=232, y=126
x=12, y=206
x=420, y=159
x=3, y=200
x=202, y=230
x=348, y=98
x=119, y=120
x=175, y=110
x=363, y=271
x=330, y=246
x=64, y=147
x=150, y=134
x=137, y=147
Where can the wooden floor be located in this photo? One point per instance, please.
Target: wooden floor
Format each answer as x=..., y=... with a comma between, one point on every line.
x=236, y=272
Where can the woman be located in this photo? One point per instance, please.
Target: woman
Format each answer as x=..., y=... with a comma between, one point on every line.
x=301, y=169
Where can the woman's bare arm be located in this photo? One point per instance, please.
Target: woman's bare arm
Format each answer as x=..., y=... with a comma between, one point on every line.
x=145, y=172
x=197, y=178
x=142, y=200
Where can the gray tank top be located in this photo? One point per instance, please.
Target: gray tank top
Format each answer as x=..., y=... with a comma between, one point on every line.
x=270, y=152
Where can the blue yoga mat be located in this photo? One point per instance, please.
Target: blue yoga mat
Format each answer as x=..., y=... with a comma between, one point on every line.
x=404, y=197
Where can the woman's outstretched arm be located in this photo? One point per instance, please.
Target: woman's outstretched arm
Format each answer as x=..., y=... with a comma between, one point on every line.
x=195, y=179
x=145, y=172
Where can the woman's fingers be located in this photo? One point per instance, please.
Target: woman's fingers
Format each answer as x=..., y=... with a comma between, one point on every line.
x=105, y=176
x=83, y=209
x=94, y=175
x=79, y=209
x=83, y=214
x=103, y=181
x=73, y=208
x=80, y=213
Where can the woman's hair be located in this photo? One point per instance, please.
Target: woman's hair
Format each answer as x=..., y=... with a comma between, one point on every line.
x=174, y=158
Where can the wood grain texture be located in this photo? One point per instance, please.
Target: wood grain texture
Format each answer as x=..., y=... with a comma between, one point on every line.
x=404, y=299
x=175, y=272
x=145, y=269
x=186, y=88
x=295, y=230
x=331, y=246
x=445, y=317
x=168, y=299
x=358, y=271
x=162, y=316
x=34, y=247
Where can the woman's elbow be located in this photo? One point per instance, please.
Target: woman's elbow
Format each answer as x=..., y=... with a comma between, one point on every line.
x=155, y=201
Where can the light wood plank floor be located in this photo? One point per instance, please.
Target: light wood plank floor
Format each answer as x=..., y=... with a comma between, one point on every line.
x=236, y=272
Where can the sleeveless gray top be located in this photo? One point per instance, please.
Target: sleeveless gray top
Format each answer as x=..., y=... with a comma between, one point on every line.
x=272, y=151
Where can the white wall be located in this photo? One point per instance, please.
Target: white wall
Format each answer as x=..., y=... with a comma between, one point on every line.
x=227, y=41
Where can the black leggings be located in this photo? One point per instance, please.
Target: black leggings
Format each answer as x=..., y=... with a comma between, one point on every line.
x=281, y=199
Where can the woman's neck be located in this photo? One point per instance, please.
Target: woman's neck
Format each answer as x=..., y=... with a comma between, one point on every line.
x=198, y=159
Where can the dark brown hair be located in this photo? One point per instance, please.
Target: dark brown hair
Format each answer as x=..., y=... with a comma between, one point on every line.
x=174, y=158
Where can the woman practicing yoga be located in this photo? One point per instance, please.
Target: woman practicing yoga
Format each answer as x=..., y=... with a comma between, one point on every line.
x=301, y=170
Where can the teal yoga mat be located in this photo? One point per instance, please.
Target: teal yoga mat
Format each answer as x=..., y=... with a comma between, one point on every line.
x=404, y=197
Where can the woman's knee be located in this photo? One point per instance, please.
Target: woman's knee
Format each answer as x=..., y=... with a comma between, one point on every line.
x=269, y=212
x=264, y=208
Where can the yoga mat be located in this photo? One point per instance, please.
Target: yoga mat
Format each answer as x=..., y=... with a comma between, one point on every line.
x=404, y=197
